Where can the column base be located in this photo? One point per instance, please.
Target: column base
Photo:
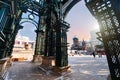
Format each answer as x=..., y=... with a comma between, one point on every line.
x=62, y=70
x=5, y=64
x=9, y=61
x=37, y=59
x=48, y=62
x=109, y=77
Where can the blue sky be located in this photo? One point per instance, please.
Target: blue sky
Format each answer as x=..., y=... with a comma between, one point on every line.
x=80, y=19
x=29, y=29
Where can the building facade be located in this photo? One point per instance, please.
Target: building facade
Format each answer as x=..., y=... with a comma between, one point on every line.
x=93, y=40
x=21, y=41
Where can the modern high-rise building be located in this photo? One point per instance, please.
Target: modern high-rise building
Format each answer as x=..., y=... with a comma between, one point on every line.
x=93, y=40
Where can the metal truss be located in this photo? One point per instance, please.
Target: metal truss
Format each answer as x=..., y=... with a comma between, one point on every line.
x=51, y=15
x=32, y=6
x=107, y=13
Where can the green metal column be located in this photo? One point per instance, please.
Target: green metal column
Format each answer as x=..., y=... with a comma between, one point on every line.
x=3, y=22
x=49, y=33
x=7, y=31
x=49, y=41
x=46, y=42
x=59, y=53
x=10, y=32
x=51, y=46
x=9, y=21
x=61, y=45
x=40, y=37
x=64, y=46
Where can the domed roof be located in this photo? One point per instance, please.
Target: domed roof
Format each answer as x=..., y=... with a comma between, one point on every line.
x=75, y=38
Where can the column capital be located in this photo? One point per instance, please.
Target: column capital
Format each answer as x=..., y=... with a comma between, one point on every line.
x=39, y=31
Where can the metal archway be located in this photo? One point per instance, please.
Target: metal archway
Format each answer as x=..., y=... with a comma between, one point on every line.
x=68, y=6
x=107, y=14
x=23, y=20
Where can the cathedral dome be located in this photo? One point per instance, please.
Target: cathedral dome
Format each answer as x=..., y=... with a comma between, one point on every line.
x=75, y=38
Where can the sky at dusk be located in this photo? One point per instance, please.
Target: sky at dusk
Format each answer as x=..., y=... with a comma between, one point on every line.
x=81, y=23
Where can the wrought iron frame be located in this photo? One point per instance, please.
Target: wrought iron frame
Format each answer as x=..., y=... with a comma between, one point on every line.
x=107, y=13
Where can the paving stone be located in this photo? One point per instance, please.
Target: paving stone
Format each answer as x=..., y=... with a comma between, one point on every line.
x=82, y=68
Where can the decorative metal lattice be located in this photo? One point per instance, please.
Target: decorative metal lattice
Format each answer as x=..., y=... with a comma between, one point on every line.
x=108, y=15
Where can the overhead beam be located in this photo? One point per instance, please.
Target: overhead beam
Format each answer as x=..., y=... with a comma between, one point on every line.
x=68, y=6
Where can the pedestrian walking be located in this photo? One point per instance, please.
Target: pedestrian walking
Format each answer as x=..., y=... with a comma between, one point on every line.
x=93, y=53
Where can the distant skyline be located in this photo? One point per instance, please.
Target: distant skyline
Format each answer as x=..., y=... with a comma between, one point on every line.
x=81, y=23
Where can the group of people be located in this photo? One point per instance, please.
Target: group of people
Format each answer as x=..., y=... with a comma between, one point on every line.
x=78, y=52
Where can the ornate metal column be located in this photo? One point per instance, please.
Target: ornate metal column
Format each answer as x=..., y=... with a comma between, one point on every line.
x=48, y=60
x=61, y=63
x=49, y=37
x=107, y=12
x=50, y=40
x=10, y=24
x=4, y=18
x=39, y=40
